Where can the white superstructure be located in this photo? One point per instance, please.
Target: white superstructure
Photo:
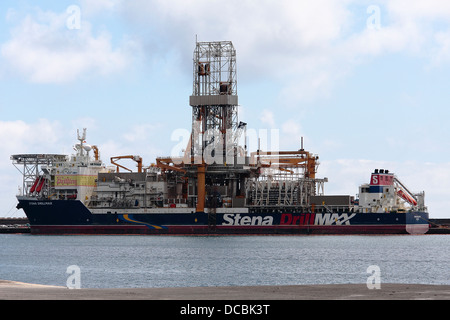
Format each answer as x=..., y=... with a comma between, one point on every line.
x=386, y=193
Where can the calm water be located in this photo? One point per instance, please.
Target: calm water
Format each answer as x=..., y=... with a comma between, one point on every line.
x=139, y=261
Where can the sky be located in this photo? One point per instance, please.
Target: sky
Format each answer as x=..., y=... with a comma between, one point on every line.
x=366, y=83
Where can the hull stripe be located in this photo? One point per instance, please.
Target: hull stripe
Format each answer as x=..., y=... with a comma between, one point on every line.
x=196, y=229
x=126, y=217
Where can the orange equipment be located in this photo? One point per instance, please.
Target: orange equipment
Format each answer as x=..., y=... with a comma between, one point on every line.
x=138, y=159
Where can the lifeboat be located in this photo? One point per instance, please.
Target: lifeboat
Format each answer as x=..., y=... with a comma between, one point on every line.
x=41, y=184
x=407, y=197
x=33, y=187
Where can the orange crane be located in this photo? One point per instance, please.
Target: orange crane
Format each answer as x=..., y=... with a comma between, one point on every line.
x=169, y=164
x=286, y=160
x=96, y=153
x=138, y=159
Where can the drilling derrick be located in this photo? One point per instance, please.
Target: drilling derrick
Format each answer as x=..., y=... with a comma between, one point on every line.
x=214, y=148
x=214, y=102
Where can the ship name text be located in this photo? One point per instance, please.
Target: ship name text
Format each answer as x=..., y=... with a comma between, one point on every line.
x=286, y=219
x=238, y=220
x=40, y=203
x=318, y=219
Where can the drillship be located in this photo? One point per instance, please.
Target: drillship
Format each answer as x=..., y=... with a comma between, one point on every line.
x=215, y=187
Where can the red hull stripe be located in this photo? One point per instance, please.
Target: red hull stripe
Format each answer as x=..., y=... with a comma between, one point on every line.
x=262, y=230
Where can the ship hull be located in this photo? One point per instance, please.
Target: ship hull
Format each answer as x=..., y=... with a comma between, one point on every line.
x=72, y=217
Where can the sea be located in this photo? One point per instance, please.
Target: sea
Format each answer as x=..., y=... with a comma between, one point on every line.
x=177, y=261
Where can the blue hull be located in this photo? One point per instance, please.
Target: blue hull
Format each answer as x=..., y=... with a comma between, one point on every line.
x=72, y=217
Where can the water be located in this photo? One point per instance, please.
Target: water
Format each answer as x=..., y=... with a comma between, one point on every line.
x=142, y=261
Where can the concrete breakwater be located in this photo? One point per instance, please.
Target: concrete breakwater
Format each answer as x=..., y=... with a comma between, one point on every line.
x=14, y=225
x=10, y=290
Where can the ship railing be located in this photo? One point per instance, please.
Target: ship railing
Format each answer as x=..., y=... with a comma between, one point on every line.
x=333, y=208
x=175, y=201
x=302, y=209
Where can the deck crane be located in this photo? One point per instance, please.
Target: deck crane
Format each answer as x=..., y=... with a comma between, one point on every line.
x=138, y=159
x=404, y=193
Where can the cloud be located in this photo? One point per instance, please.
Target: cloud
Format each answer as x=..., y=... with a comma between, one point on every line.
x=46, y=136
x=441, y=53
x=268, y=34
x=44, y=50
x=90, y=7
x=308, y=46
x=21, y=137
x=141, y=132
x=412, y=27
x=419, y=11
x=268, y=118
x=292, y=129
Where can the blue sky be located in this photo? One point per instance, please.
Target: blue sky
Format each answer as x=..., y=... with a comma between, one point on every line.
x=365, y=82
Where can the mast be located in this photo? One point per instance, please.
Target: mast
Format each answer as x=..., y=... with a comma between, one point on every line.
x=214, y=103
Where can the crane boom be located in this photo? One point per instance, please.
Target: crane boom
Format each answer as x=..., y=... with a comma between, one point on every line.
x=138, y=159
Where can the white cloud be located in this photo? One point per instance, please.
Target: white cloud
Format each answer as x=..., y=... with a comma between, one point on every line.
x=271, y=36
x=309, y=46
x=419, y=11
x=140, y=132
x=42, y=136
x=308, y=87
x=411, y=27
x=92, y=7
x=268, y=118
x=21, y=137
x=291, y=128
x=44, y=50
x=441, y=53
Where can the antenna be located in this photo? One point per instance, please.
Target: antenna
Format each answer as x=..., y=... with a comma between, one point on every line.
x=82, y=139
